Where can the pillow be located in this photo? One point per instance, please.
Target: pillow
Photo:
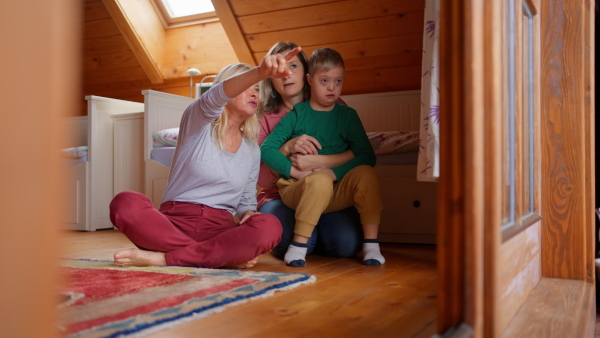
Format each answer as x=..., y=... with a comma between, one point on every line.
x=165, y=138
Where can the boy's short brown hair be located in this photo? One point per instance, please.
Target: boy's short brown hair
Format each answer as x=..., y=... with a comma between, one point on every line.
x=324, y=59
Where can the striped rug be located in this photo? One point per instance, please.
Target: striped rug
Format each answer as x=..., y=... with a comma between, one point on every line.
x=102, y=300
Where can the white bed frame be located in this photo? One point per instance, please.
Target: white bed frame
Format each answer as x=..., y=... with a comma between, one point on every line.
x=161, y=111
x=409, y=206
x=402, y=220
x=91, y=184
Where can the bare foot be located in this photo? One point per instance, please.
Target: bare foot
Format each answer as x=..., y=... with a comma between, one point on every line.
x=137, y=257
x=246, y=265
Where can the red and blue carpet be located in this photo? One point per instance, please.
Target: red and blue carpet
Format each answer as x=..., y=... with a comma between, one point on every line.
x=102, y=300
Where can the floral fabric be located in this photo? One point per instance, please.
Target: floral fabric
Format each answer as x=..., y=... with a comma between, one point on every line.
x=429, y=156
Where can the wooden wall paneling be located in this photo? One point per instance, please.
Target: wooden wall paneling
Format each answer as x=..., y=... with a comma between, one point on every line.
x=108, y=44
x=451, y=204
x=100, y=28
x=234, y=32
x=590, y=10
x=340, y=32
x=382, y=80
x=409, y=60
x=248, y=7
x=112, y=60
x=563, y=115
x=94, y=10
x=323, y=14
x=399, y=50
x=116, y=75
x=204, y=46
x=143, y=31
x=401, y=78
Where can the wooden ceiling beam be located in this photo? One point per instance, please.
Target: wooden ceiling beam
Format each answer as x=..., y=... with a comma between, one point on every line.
x=234, y=31
x=149, y=52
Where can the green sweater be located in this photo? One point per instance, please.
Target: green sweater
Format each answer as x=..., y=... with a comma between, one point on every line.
x=337, y=130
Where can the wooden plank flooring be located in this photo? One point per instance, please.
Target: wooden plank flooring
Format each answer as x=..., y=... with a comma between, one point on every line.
x=398, y=299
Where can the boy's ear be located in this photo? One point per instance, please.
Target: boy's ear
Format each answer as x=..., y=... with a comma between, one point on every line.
x=309, y=79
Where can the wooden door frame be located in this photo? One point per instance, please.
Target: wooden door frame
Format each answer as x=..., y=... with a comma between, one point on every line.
x=469, y=192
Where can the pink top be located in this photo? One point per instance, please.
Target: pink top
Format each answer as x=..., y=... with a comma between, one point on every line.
x=266, y=179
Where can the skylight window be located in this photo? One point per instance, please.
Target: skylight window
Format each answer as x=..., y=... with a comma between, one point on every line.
x=176, y=13
x=181, y=8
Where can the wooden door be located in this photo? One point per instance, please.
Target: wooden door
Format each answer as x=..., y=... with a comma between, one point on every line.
x=515, y=198
x=39, y=86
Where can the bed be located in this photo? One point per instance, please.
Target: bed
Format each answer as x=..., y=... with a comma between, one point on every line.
x=409, y=206
x=392, y=123
x=112, y=135
x=162, y=111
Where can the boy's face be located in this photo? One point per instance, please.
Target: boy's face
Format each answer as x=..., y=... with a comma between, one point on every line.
x=326, y=88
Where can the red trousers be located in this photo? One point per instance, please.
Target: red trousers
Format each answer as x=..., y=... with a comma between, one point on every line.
x=193, y=234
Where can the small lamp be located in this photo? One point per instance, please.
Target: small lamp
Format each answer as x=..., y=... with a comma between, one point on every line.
x=192, y=72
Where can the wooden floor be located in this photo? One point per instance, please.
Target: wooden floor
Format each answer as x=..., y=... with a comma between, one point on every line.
x=348, y=299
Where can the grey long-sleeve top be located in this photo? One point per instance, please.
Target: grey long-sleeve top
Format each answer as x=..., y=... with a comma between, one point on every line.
x=203, y=174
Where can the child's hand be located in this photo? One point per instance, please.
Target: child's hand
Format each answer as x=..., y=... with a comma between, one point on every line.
x=304, y=162
x=276, y=65
x=299, y=174
x=305, y=144
x=327, y=170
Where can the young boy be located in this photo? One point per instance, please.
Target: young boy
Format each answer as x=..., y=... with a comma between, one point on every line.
x=322, y=126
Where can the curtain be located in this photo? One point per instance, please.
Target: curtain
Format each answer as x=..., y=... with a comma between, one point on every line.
x=429, y=157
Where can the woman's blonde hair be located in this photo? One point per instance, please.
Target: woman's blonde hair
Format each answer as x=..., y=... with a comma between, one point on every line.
x=249, y=127
x=270, y=100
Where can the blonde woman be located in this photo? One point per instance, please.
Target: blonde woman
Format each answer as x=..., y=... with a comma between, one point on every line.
x=213, y=177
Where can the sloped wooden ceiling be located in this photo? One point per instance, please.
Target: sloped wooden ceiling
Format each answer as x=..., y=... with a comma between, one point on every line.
x=125, y=50
x=380, y=40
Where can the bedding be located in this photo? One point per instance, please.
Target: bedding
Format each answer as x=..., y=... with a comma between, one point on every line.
x=391, y=147
x=163, y=155
x=394, y=141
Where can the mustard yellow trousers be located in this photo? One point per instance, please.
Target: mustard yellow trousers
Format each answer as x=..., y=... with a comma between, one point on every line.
x=317, y=194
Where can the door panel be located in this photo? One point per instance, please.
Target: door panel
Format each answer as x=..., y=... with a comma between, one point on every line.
x=486, y=274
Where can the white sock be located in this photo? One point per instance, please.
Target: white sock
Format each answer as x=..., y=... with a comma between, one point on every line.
x=371, y=253
x=296, y=254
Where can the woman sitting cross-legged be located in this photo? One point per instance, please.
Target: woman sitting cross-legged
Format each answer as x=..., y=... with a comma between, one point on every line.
x=213, y=176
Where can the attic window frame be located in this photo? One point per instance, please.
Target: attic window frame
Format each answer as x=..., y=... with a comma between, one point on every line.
x=169, y=22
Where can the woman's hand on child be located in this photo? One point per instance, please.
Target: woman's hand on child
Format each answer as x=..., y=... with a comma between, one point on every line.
x=306, y=145
x=276, y=65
